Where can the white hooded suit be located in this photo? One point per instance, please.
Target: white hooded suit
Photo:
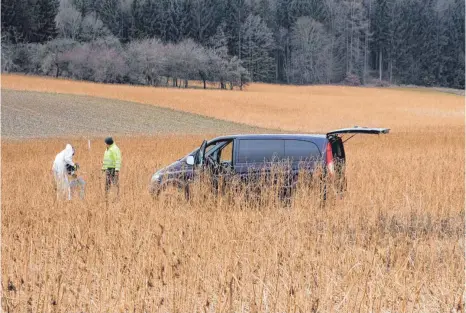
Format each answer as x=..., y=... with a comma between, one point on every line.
x=63, y=159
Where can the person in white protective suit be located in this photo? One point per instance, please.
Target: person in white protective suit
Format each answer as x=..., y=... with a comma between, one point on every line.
x=62, y=168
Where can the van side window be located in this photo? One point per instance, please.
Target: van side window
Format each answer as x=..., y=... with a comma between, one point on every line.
x=260, y=150
x=226, y=154
x=300, y=150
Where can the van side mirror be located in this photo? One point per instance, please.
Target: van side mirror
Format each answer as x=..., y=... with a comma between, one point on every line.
x=190, y=160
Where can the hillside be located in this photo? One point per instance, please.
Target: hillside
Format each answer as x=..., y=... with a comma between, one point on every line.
x=33, y=114
x=310, y=108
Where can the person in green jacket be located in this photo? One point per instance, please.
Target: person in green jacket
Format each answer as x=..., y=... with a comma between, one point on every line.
x=111, y=165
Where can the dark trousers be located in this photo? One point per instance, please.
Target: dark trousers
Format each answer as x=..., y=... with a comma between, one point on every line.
x=111, y=179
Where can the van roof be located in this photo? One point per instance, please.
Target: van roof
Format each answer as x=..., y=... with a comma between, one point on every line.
x=272, y=136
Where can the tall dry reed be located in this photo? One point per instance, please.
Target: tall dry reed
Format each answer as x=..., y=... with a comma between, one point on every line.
x=393, y=244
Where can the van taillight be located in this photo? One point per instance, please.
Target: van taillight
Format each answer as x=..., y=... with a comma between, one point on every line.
x=329, y=160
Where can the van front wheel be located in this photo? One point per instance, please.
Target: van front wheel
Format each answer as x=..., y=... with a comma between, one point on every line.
x=173, y=193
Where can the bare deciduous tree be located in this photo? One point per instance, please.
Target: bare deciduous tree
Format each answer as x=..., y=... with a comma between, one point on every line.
x=93, y=28
x=68, y=21
x=309, y=62
x=54, y=56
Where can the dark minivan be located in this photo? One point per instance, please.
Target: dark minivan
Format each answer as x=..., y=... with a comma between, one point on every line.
x=243, y=156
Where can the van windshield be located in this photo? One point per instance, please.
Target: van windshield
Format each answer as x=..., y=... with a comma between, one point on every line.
x=196, y=151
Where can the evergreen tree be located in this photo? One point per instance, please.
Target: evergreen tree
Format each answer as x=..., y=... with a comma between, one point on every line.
x=380, y=26
x=16, y=21
x=284, y=23
x=136, y=27
x=452, y=52
x=83, y=6
x=219, y=42
x=236, y=12
x=402, y=41
x=256, y=48
x=108, y=11
x=149, y=19
x=428, y=55
x=23, y=22
x=205, y=16
x=45, y=28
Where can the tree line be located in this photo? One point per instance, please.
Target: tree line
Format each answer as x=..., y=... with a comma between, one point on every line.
x=231, y=42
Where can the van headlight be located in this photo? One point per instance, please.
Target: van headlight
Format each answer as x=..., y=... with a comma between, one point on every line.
x=156, y=178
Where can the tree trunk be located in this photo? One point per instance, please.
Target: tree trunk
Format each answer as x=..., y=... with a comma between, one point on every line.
x=185, y=83
x=380, y=64
x=366, y=41
x=347, y=46
x=364, y=73
x=276, y=66
x=287, y=59
x=332, y=51
x=204, y=83
x=391, y=70
x=351, y=41
x=239, y=34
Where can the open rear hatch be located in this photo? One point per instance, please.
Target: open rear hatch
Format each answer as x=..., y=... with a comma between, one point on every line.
x=335, y=151
x=359, y=130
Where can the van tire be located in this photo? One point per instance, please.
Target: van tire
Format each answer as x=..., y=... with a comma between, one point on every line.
x=182, y=188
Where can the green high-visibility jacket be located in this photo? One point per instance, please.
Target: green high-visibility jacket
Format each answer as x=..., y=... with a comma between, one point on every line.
x=112, y=158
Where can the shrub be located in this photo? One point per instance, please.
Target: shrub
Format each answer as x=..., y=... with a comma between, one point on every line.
x=351, y=80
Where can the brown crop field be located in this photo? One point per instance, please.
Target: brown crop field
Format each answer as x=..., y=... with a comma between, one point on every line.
x=36, y=114
x=395, y=243
x=314, y=108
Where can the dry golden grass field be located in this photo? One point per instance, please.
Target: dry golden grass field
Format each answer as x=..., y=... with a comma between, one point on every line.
x=395, y=243
x=316, y=108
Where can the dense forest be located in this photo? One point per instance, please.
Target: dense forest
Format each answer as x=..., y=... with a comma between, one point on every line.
x=231, y=42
